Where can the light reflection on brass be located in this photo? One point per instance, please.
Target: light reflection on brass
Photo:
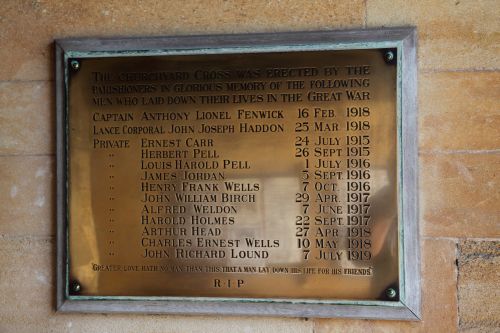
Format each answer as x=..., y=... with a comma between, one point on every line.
x=106, y=234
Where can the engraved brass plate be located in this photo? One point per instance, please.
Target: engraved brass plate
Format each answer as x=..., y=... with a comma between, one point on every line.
x=264, y=175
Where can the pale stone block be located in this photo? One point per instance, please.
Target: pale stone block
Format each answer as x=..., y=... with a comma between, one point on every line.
x=27, y=286
x=479, y=285
x=27, y=196
x=27, y=28
x=26, y=118
x=460, y=195
x=439, y=298
x=459, y=111
x=452, y=34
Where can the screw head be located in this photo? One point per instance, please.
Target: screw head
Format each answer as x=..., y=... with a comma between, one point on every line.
x=391, y=293
x=389, y=56
x=75, y=287
x=75, y=64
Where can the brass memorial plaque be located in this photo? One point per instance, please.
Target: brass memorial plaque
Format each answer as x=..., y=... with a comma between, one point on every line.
x=261, y=175
x=253, y=174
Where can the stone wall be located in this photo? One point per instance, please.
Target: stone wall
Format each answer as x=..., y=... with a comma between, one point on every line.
x=459, y=119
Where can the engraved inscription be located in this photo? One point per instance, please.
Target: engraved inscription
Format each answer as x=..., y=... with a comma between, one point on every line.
x=255, y=175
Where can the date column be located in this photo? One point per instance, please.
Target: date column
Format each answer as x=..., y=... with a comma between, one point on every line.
x=358, y=185
x=302, y=152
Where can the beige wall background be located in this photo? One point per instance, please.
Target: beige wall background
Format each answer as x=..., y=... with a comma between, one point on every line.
x=459, y=149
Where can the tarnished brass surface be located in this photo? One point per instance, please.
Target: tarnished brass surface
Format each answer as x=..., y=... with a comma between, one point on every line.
x=294, y=193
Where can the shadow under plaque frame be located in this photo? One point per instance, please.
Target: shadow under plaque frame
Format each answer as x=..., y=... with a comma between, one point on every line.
x=403, y=40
